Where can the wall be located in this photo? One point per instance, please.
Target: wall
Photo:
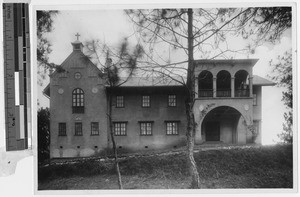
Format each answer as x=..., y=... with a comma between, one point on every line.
x=159, y=112
x=257, y=115
x=61, y=110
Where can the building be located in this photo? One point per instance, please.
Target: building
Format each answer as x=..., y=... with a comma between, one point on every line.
x=150, y=114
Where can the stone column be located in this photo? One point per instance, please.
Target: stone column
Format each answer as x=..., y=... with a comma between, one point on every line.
x=232, y=87
x=214, y=86
x=251, y=86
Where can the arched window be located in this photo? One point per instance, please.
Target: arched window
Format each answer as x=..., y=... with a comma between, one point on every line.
x=241, y=83
x=223, y=84
x=205, y=80
x=78, y=101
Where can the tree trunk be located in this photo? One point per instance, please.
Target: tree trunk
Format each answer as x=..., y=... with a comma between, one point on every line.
x=189, y=105
x=113, y=141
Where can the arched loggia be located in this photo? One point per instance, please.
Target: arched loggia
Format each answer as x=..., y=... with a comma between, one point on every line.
x=241, y=83
x=205, y=84
x=223, y=84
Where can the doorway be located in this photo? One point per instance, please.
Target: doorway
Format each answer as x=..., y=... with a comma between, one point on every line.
x=212, y=131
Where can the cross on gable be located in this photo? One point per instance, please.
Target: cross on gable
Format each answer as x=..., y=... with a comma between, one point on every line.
x=77, y=35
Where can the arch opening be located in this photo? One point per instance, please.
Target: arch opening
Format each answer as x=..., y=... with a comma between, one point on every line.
x=77, y=101
x=223, y=84
x=223, y=124
x=241, y=84
x=205, y=84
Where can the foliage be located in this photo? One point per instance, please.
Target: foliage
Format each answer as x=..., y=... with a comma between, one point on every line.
x=201, y=33
x=125, y=60
x=265, y=24
x=60, y=69
x=117, y=64
x=43, y=134
x=282, y=74
x=44, y=26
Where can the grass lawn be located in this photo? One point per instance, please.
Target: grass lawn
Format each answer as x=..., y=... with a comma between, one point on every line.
x=231, y=167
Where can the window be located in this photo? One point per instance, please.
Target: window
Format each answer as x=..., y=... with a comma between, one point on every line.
x=78, y=128
x=62, y=129
x=172, y=100
x=120, y=128
x=146, y=128
x=94, y=128
x=120, y=101
x=78, y=101
x=172, y=127
x=146, y=101
x=77, y=75
x=254, y=99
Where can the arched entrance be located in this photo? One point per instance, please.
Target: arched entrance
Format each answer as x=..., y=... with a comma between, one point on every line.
x=222, y=124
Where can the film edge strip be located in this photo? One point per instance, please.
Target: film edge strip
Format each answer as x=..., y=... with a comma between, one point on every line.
x=16, y=75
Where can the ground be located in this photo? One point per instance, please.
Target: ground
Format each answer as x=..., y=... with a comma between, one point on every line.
x=219, y=167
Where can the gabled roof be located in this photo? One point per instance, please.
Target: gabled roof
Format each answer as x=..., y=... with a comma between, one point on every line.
x=259, y=81
x=46, y=91
x=80, y=55
x=177, y=81
x=151, y=81
x=164, y=82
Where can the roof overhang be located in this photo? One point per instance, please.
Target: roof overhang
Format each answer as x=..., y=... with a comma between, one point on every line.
x=246, y=62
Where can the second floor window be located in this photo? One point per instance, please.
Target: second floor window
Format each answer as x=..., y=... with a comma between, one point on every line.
x=120, y=128
x=172, y=100
x=78, y=128
x=120, y=101
x=62, y=129
x=146, y=101
x=94, y=128
x=78, y=101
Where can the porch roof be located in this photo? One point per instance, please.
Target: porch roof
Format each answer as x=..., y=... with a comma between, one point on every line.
x=260, y=81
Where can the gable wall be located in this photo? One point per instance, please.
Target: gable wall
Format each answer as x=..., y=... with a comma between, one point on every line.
x=61, y=111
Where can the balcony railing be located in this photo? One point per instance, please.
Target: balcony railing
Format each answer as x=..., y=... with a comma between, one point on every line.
x=77, y=109
x=205, y=92
x=241, y=93
x=224, y=93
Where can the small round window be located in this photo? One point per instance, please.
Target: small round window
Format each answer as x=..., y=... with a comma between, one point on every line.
x=77, y=75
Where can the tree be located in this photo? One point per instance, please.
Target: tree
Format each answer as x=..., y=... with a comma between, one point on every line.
x=200, y=33
x=282, y=75
x=43, y=134
x=44, y=26
x=125, y=60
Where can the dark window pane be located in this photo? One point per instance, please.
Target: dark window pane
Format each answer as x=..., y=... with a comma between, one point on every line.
x=62, y=131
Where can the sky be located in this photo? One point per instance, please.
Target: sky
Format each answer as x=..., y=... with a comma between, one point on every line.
x=112, y=26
